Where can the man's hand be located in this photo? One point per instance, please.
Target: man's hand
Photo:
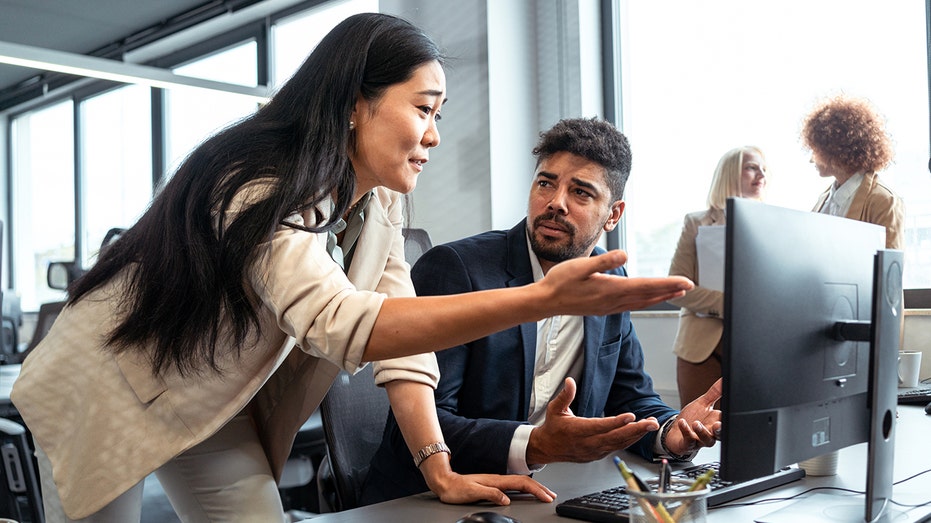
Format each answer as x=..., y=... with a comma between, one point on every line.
x=565, y=437
x=698, y=425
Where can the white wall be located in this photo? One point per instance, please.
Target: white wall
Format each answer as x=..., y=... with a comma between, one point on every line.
x=657, y=332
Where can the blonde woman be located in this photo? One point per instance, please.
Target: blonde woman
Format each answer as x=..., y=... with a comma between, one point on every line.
x=741, y=172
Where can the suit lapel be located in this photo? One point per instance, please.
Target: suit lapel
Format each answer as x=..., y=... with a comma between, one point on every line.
x=520, y=273
x=591, y=341
x=858, y=204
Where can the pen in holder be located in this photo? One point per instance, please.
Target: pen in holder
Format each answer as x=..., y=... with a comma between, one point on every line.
x=679, y=504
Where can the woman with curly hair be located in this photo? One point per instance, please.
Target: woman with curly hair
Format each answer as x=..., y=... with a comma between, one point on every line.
x=848, y=140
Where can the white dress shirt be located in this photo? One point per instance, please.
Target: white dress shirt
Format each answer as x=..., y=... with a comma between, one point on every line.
x=559, y=356
x=839, y=199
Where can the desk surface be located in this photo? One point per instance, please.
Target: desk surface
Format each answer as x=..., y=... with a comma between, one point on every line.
x=569, y=480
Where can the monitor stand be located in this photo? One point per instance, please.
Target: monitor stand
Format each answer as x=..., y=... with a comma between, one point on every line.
x=875, y=505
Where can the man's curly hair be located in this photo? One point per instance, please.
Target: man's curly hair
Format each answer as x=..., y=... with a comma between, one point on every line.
x=595, y=140
x=848, y=134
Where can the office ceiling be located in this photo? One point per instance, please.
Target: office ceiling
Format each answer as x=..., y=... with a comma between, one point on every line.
x=101, y=28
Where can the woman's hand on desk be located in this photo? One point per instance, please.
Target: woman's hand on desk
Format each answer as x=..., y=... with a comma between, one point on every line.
x=457, y=488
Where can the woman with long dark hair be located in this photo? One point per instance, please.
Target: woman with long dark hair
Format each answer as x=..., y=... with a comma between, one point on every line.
x=209, y=332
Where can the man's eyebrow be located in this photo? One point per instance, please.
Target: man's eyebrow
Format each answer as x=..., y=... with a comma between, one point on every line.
x=588, y=185
x=585, y=184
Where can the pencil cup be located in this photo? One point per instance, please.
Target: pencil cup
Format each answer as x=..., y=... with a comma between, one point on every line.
x=677, y=504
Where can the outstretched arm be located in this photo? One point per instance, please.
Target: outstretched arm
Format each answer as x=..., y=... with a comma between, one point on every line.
x=408, y=326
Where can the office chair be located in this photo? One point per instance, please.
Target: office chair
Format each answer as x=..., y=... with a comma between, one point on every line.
x=20, y=498
x=48, y=313
x=416, y=242
x=354, y=413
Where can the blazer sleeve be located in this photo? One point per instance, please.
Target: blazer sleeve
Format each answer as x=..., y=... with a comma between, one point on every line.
x=396, y=282
x=700, y=300
x=308, y=294
x=477, y=445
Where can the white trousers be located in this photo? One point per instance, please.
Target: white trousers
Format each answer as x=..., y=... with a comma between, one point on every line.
x=224, y=479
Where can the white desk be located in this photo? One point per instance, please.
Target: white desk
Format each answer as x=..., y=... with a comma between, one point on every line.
x=913, y=455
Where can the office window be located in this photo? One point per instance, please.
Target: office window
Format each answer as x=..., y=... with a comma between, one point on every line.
x=747, y=73
x=296, y=36
x=192, y=115
x=43, y=192
x=116, y=162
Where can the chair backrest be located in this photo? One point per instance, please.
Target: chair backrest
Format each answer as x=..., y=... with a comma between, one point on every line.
x=354, y=413
x=416, y=242
x=20, y=498
x=48, y=312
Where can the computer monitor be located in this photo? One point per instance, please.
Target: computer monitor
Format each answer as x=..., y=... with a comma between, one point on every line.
x=809, y=349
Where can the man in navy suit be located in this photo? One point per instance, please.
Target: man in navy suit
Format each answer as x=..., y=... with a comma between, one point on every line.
x=509, y=403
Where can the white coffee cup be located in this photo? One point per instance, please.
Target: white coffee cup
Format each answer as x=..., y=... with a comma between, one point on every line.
x=909, y=368
x=824, y=465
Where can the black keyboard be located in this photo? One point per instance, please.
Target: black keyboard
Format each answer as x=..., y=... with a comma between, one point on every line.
x=610, y=505
x=919, y=396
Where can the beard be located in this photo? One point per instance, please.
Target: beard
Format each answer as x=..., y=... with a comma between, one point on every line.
x=559, y=250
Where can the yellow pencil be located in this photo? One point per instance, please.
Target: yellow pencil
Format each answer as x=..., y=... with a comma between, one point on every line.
x=699, y=483
x=659, y=512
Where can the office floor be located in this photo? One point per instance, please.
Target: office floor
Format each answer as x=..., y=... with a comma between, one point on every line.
x=155, y=506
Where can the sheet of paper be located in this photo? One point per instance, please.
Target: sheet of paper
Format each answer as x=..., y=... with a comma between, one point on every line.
x=710, y=246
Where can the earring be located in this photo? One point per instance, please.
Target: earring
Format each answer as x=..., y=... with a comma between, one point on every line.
x=352, y=125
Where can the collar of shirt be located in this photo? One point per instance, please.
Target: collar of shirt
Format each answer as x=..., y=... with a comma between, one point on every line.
x=342, y=251
x=839, y=199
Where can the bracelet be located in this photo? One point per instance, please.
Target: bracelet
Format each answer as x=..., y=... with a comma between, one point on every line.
x=662, y=441
x=429, y=450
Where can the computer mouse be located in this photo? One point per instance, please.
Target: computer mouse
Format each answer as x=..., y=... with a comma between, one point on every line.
x=928, y=408
x=486, y=517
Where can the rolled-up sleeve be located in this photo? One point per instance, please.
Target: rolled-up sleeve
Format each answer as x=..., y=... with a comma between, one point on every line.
x=308, y=294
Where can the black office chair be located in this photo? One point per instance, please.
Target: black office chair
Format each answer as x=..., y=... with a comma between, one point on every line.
x=354, y=413
x=416, y=242
x=48, y=313
x=20, y=497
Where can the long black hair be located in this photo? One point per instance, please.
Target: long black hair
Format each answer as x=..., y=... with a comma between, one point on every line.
x=186, y=287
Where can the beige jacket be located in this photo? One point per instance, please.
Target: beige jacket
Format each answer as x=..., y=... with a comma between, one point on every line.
x=875, y=203
x=702, y=312
x=106, y=421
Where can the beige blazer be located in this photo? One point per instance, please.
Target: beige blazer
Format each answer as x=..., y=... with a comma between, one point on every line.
x=106, y=421
x=700, y=318
x=875, y=203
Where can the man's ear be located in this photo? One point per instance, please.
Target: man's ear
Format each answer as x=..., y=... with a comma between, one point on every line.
x=617, y=210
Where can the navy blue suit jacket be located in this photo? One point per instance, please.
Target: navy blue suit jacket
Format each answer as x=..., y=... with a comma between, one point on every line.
x=484, y=389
